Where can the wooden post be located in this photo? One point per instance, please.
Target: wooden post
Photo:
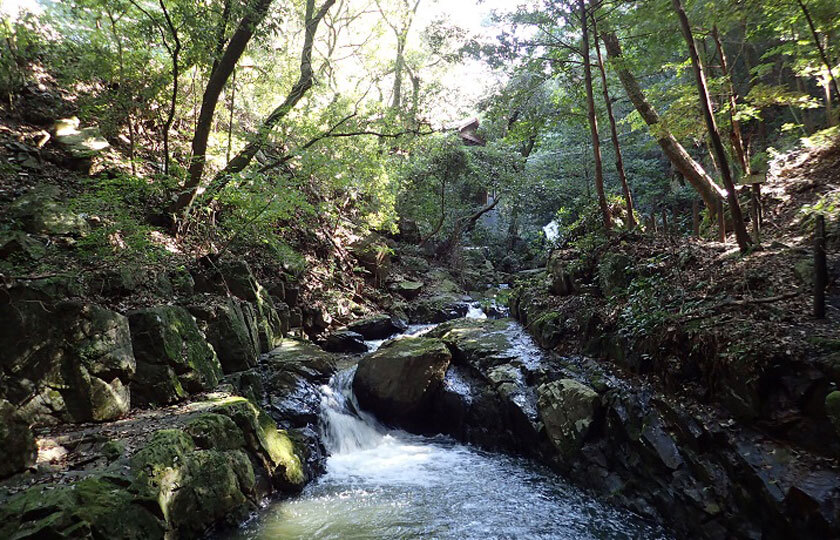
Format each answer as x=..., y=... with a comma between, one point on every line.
x=820, y=269
x=721, y=222
x=695, y=218
x=756, y=213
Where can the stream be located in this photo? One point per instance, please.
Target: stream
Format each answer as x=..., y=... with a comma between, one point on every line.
x=386, y=483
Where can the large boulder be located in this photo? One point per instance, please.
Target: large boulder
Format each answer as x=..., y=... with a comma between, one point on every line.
x=17, y=444
x=374, y=254
x=64, y=362
x=437, y=309
x=487, y=397
x=294, y=371
x=174, y=358
x=344, y=341
x=398, y=382
x=568, y=409
x=408, y=289
x=377, y=327
x=40, y=213
x=236, y=278
x=232, y=329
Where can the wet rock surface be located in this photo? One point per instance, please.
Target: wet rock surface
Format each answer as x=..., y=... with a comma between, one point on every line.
x=399, y=381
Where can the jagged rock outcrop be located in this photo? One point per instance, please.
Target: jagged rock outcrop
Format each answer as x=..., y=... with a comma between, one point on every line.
x=232, y=329
x=173, y=356
x=213, y=469
x=293, y=372
x=68, y=361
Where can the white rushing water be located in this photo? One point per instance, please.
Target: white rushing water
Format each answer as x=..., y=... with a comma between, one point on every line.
x=388, y=484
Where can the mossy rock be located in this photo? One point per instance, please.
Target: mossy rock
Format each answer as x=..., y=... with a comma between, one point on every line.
x=232, y=328
x=75, y=364
x=173, y=356
x=567, y=409
x=211, y=430
x=17, y=444
x=95, y=507
x=40, y=213
x=398, y=381
x=282, y=457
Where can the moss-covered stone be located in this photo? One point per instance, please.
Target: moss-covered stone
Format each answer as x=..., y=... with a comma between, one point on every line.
x=40, y=213
x=17, y=444
x=567, y=409
x=95, y=507
x=232, y=328
x=264, y=438
x=173, y=356
x=211, y=430
x=398, y=381
x=75, y=364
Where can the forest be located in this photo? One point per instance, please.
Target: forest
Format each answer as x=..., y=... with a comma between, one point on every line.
x=418, y=269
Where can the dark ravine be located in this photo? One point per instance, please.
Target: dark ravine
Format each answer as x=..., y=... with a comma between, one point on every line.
x=682, y=464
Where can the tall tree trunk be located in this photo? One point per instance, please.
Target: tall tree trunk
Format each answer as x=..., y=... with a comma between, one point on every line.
x=710, y=192
x=256, y=11
x=399, y=63
x=732, y=196
x=593, y=119
x=303, y=84
x=821, y=50
x=174, y=51
x=736, y=136
x=619, y=161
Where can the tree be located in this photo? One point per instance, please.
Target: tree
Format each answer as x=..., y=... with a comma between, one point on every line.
x=692, y=171
x=619, y=161
x=406, y=14
x=593, y=119
x=741, y=234
x=255, y=12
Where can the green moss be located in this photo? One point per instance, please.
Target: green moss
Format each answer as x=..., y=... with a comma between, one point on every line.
x=212, y=430
x=98, y=507
x=262, y=435
x=154, y=462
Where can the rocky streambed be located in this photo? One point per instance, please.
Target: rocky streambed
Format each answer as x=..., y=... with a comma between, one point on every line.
x=456, y=429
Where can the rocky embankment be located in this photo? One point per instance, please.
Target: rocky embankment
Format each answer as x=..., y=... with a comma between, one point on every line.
x=164, y=421
x=697, y=471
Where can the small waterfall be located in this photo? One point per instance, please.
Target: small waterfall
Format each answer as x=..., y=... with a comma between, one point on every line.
x=346, y=428
x=475, y=311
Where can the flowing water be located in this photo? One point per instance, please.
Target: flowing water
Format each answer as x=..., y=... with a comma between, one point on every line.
x=385, y=483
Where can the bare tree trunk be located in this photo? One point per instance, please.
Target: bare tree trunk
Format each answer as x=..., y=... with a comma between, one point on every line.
x=303, y=84
x=593, y=119
x=682, y=161
x=619, y=161
x=741, y=234
x=174, y=51
x=736, y=137
x=256, y=11
x=821, y=50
